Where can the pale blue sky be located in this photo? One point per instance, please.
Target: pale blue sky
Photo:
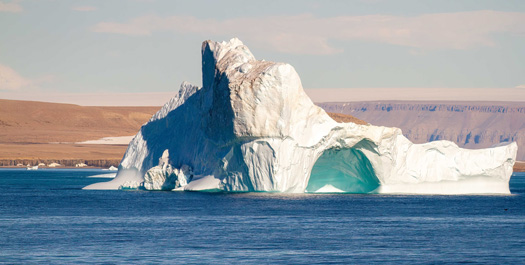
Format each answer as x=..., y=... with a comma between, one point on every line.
x=52, y=48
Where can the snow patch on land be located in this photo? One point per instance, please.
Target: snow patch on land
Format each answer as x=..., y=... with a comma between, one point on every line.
x=118, y=140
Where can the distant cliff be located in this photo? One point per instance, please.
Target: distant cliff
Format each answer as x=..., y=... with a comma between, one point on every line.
x=469, y=124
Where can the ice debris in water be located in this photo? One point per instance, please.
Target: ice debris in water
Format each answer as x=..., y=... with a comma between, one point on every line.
x=164, y=177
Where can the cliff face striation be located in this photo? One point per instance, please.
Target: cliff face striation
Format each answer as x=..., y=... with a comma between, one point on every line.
x=472, y=125
x=251, y=127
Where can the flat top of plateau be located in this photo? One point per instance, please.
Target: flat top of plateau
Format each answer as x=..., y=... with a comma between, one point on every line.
x=434, y=102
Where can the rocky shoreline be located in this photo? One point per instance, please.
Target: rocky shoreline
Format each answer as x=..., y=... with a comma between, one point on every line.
x=71, y=163
x=519, y=166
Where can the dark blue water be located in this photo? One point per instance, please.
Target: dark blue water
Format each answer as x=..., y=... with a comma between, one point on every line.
x=45, y=218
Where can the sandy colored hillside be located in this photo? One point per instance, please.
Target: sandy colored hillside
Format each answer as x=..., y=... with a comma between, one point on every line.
x=339, y=117
x=41, y=122
x=32, y=132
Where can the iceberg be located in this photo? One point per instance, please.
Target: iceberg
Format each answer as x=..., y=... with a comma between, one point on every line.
x=251, y=127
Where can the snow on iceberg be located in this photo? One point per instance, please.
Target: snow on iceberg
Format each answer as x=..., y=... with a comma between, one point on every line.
x=251, y=127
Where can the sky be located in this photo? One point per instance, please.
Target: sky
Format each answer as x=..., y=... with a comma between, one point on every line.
x=138, y=52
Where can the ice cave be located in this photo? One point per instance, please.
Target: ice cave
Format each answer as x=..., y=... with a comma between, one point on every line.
x=342, y=170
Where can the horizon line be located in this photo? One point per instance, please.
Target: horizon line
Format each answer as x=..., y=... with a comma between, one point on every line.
x=318, y=95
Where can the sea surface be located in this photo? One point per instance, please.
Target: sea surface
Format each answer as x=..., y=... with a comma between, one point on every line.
x=46, y=218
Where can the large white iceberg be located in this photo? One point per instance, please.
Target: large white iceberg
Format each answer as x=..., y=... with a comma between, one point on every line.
x=251, y=127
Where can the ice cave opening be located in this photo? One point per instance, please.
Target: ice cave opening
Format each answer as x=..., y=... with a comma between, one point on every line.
x=342, y=170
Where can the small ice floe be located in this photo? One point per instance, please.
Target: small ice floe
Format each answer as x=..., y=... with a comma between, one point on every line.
x=108, y=175
x=328, y=188
x=130, y=185
x=32, y=167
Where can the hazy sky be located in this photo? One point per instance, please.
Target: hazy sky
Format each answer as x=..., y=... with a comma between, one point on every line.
x=140, y=51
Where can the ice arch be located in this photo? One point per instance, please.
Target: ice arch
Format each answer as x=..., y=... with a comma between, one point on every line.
x=342, y=170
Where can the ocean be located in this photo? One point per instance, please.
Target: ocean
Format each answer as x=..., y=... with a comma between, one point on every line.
x=46, y=218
